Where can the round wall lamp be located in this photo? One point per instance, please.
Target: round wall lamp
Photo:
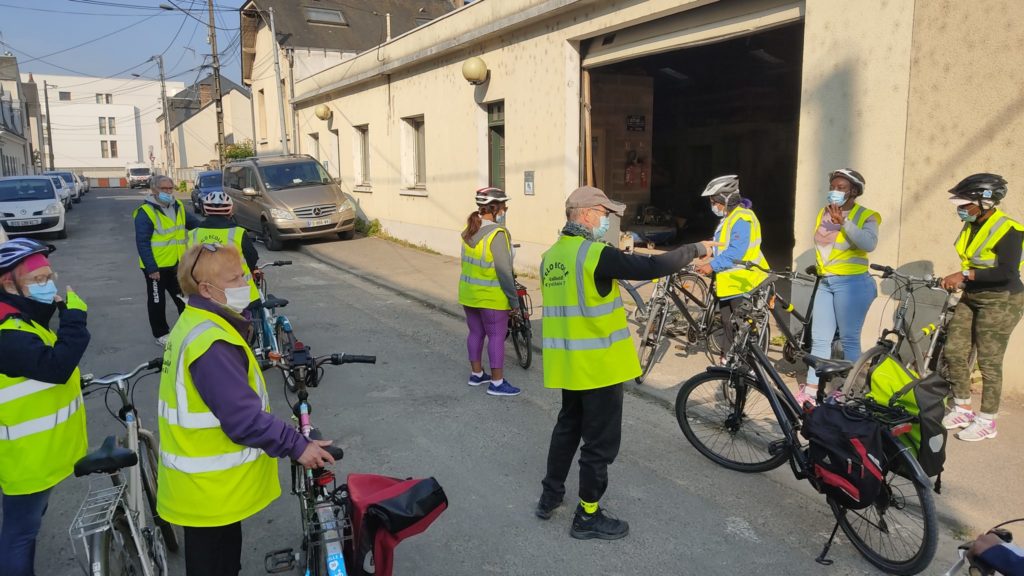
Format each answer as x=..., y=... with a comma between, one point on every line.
x=475, y=71
x=323, y=112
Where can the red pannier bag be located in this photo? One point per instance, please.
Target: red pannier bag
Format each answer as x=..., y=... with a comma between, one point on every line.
x=386, y=511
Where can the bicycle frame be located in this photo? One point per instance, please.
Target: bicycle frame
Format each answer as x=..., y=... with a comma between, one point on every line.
x=902, y=333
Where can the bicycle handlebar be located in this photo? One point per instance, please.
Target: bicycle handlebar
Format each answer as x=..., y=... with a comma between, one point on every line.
x=338, y=359
x=787, y=274
x=89, y=380
x=275, y=263
x=928, y=280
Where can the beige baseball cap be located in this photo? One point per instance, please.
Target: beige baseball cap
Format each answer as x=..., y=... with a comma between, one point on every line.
x=589, y=197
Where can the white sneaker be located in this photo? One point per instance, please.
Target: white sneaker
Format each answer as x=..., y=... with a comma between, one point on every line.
x=978, y=431
x=162, y=341
x=957, y=418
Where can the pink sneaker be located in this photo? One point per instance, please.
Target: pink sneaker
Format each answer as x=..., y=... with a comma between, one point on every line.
x=807, y=394
x=978, y=430
x=957, y=418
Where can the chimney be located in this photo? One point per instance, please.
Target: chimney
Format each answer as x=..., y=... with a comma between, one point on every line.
x=458, y=3
x=205, y=94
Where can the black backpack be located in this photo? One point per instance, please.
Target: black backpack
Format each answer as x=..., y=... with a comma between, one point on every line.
x=846, y=455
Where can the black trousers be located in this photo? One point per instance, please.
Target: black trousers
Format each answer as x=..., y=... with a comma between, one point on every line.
x=728, y=309
x=595, y=416
x=157, y=292
x=213, y=551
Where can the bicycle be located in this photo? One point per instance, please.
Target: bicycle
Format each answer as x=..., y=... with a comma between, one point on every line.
x=892, y=340
x=325, y=514
x=519, y=329
x=118, y=526
x=684, y=296
x=744, y=418
x=976, y=567
x=272, y=332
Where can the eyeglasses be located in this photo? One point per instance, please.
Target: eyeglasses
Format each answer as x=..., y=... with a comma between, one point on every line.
x=602, y=210
x=205, y=248
x=40, y=278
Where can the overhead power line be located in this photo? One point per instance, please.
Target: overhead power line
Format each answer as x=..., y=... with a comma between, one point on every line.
x=96, y=39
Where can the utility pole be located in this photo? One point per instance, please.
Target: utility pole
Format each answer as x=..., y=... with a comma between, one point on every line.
x=280, y=88
x=49, y=131
x=168, y=155
x=216, y=87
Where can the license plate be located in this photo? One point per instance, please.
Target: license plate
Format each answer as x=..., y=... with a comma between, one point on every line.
x=26, y=222
x=318, y=222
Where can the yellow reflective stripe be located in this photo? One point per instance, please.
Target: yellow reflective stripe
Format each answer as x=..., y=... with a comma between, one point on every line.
x=41, y=424
x=577, y=344
x=200, y=464
x=22, y=389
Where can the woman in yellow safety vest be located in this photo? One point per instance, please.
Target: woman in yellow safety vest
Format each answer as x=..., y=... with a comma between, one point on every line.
x=738, y=240
x=42, y=419
x=989, y=247
x=487, y=289
x=844, y=233
x=218, y=439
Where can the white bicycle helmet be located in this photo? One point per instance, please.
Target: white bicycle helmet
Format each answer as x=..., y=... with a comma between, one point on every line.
x=722, y=189
x=851, y=175
x=490, y=195
x=218, y=204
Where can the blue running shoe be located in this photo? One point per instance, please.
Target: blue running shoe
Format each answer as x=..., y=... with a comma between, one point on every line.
x=505, y=389
x=478, y=380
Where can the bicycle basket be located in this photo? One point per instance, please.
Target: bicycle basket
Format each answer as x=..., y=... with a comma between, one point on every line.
x=925, y=398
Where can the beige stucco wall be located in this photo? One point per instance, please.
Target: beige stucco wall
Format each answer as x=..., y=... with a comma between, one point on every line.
x=268, y=140
x=195, y=140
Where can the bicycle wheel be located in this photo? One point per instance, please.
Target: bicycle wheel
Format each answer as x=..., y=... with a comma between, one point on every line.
x=899, y=533
x=148, y=467
x=652, y=341
x=113, y=552
x=858, y=383
x=728, y=418
x=522, y=336
x=285, y=341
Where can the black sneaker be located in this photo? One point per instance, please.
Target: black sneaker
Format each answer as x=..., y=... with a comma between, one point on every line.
x=597, y=525
x=546, y=507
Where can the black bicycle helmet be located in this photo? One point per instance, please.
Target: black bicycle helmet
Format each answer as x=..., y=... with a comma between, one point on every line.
x=981, y=186
x=490, y=195
x=13, y=252
x=852, y=176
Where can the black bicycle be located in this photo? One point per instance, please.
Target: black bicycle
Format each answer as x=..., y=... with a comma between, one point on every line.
x=743, y=417
x=519, y=329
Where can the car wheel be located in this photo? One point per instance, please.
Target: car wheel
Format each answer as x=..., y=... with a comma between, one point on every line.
x=78, y=199
x=70, y=206
x=347, y=235
x=270, y=239
x=63, y=234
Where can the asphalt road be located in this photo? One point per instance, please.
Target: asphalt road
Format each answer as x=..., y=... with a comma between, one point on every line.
x=413, y=415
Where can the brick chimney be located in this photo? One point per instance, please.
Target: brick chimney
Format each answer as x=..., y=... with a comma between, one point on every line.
x=205, y=94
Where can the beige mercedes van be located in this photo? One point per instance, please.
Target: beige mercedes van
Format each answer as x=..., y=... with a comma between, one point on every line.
x=288, y=197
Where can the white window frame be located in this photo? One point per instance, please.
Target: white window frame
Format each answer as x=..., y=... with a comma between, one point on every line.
x=361, y=158
x=414, y=149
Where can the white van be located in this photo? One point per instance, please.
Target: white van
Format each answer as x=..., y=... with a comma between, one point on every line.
x=138, y=174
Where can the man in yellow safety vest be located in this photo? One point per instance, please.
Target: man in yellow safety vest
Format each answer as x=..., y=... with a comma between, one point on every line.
x=219, y=227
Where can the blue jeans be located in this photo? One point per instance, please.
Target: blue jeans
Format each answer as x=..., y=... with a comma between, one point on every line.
x=841, y=301
x=23, y=515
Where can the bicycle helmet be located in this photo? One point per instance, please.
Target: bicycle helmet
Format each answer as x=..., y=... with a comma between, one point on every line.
x=982, y=187
x=217, y=203
x=852, y=176
x=490, y=195
x=13, y=252
x=722, y=189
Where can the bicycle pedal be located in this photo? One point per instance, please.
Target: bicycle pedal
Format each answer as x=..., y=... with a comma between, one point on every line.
x=777, y=447
x=280, y=561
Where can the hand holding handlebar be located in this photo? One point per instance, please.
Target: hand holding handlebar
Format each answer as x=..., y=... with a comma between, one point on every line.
x=315, y=456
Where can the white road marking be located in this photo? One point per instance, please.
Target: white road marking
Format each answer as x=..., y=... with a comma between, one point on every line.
x=740, y=527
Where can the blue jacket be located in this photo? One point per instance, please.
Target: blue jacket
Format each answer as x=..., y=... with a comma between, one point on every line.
x=144, y=233
x=739, y=240
x=25, y=355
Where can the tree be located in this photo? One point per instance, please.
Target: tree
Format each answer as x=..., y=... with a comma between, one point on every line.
x=243, y=149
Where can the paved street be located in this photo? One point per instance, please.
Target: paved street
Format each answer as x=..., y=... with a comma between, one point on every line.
x=413, y=415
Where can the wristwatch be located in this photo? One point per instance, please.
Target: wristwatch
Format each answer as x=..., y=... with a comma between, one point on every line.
x=967, y=275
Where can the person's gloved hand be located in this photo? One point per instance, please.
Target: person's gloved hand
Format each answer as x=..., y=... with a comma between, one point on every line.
x=75, y=302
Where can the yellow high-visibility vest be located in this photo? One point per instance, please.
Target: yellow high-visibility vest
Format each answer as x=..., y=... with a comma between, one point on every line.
x=478, y=283
x=845, y=259
x=229, y=237
x=977, y=252
x=740, y=280
x=205, y=479
x=168, y=239
x=42, y=425
x=586, y=339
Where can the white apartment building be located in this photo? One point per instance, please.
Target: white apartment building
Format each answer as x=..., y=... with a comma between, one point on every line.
x=101, y=124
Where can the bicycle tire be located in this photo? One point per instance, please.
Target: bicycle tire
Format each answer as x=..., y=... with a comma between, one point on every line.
x=522, y=341
x=148, y=467
x=651, y=340
x=857, y=384
x=285, y=342
x=694, y=290
x=114, y=550
x=894, y=497
x=722, y=418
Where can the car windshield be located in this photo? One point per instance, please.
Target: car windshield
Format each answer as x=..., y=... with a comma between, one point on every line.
x=210, y=181
x=67, y=177
x=139, y=171
x=293, y=175
x=57, y=181
x=19, y=190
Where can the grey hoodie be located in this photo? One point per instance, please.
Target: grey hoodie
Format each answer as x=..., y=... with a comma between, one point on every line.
x=502, y=258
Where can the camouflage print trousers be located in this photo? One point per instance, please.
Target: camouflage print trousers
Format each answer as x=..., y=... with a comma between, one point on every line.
x=984, y=320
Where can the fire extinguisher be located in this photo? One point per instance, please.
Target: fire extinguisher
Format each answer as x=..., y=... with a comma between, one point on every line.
x=629, y=175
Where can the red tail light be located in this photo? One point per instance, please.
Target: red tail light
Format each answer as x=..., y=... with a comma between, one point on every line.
x=901, y=429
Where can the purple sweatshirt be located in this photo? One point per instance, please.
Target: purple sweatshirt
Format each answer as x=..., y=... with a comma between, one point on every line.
x=221, y=376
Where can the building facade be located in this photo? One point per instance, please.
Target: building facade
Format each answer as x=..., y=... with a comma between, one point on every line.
x=101, y=124
x=15, y=108
x=649, y=99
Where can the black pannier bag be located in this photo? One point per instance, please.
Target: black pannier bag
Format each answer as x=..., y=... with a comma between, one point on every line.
x=846, y=455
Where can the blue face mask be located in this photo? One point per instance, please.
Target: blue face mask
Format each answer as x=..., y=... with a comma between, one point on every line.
x=44, y=293
x=836, y=197
x=602, y=228
x=500, y=218
x=165, y=197
x=965, y=215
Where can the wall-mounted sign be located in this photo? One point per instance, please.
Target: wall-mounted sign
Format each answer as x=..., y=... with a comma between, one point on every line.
x=528, y=182
x=636, y=123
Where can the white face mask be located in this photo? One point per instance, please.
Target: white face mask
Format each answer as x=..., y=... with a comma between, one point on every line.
x=237, y=298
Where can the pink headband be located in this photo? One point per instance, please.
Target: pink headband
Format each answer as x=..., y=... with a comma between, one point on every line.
x=34, y=262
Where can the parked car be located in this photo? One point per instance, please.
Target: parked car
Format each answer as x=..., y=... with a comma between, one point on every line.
x=205, y=183
x=86, y=185
x=138, y=174
x=63, y=190
x=289, y=197
x=31, y=205
x=73, y=184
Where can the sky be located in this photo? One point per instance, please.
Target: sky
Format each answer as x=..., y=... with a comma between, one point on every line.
x=118, y=37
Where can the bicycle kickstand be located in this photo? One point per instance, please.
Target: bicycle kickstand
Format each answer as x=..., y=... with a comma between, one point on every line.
x=821, y=559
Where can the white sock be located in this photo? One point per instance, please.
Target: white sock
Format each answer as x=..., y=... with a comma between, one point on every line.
x=478, y=374
x=497, y=383
x=984, y=418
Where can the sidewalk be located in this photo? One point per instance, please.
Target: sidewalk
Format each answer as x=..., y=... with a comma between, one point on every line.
x=980, y=486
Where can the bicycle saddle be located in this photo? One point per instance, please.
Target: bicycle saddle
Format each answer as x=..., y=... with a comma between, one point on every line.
x=828, y=368
x=272, y=302
x=107, y=459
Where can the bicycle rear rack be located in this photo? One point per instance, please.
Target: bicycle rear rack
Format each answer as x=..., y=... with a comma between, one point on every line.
x=97, y=511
